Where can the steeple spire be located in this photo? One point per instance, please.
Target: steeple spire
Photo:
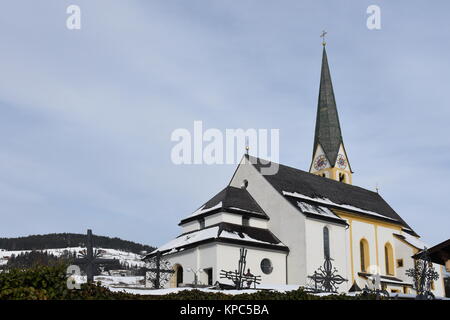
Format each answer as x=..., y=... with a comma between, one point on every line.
x=328, y=130
x=328, y=137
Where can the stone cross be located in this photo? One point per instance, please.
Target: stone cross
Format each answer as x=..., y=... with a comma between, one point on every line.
x=92, y=259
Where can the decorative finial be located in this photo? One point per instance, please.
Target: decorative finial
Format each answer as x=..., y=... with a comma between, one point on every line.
x=246, y=145
x=377, y=188
x=324, y=33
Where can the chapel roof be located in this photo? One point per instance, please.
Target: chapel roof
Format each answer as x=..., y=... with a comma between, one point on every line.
x=295, y=184
x=223, y=233
x=230, y=199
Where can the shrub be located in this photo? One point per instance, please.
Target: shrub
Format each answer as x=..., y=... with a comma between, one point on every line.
x=50, y=283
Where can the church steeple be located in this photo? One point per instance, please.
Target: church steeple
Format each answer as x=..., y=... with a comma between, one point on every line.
x=329, y=156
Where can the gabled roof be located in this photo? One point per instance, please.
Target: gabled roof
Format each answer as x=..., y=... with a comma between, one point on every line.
x=328, y=130
x=230, y=199
x=330, y=193
x=223, y=233
x=439, y=254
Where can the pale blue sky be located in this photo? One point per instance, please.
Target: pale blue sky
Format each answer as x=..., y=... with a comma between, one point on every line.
x=86, y=116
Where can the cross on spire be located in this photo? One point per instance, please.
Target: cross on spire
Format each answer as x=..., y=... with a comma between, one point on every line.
x=322, y=35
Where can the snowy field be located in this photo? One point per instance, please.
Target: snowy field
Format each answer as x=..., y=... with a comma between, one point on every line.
x=129, y=258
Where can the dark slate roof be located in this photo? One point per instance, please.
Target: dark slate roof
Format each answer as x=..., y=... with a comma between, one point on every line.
x=264, y=238
x=328, y=130
x=255, y=233
x=294, y=180
x=439, y=254
x=234, y=200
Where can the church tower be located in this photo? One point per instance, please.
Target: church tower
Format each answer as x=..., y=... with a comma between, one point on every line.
x=329, y=156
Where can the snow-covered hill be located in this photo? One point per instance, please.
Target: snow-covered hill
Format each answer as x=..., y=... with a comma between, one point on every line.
x=127, y=258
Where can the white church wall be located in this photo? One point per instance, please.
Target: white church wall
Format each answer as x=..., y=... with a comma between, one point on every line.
x=202, y=257
x=223, y=217
x=228, y=258
x=190, y=226
x=258, y=223
x=404, y=252
x=338, y=249
x=286, y=223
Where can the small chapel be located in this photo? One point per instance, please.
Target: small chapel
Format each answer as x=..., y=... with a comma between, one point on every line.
x=293, y=220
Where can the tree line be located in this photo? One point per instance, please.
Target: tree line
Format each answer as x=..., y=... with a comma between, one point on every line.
x=64, y=240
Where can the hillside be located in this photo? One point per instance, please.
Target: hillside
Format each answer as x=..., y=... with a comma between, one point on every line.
x=67, y=240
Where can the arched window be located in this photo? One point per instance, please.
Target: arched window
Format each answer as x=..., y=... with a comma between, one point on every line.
x=364, y=253
x=389, y=258
x=326, y=242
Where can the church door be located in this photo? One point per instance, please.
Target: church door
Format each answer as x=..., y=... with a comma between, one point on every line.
x=179, y=272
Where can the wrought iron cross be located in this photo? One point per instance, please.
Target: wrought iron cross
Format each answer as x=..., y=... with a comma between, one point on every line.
x=326, y=278
x=91, y=259
x=322, y=35
x=238, y=277
x=157, y=270
x=423, y=274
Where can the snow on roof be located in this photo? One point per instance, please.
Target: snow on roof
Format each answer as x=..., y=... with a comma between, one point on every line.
x=215, y=232
x=243, y=236
x=329, y=202
x=201, y=210
x=415, y=242
x=318, y=210
x=204, y=234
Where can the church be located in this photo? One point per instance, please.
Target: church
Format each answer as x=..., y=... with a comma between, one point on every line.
x=291, y=221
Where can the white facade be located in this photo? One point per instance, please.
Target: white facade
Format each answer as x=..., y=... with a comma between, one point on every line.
x=302, y=234
x=218, y=256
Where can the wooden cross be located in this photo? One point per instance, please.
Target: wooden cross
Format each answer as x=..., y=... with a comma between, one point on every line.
x=157, y=270
x=91, y=259
x=324, y=33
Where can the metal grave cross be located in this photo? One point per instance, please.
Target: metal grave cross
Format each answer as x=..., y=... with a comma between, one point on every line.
x=91, y=259
x=157, y=271
x=326, y=278
x=238, y=277
x=423, y=275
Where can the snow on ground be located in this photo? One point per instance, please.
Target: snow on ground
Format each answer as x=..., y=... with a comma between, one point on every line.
x=132, y=259
x=146, y=291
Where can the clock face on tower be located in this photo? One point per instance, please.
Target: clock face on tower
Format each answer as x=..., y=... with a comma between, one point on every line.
x=341, y=162
x=320, y=162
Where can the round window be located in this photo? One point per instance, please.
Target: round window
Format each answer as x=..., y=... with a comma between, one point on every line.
x=266, y=266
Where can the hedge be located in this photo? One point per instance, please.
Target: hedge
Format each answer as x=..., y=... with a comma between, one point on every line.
x=50, y=283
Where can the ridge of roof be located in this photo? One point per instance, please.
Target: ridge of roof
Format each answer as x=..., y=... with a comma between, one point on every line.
x=291, y=179
x=232, y=200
